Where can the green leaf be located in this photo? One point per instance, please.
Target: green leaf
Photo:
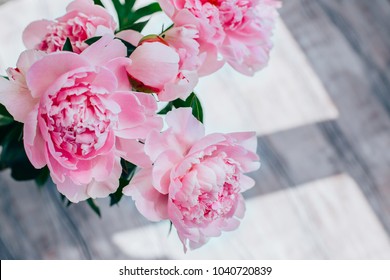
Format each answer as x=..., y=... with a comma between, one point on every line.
x=67, y=46
x=117, y=196
x=142, y=12
x=65, y=200
x=98, y=2
x=24, y=171
x=14, y=156
x=130, y=47
x=170, y=228
x=4, y=111
x=92, y=40
x=193, y=102
x=128, y=171
x=94, y=207
x=166, y=109
x=5, y=117
x=129, y=4
x=42, y=177
x=5, y=120
x=13, y=150
x=139, y=26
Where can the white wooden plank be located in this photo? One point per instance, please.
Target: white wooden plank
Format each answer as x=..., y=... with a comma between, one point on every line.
x=324, y=219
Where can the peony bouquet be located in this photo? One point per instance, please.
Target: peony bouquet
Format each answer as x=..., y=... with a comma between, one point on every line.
x=82, y=107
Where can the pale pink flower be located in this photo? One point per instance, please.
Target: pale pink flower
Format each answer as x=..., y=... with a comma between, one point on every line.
x=196, y=181
x=82, y=21
x=79, y=117
x=236, y=31
x=160, y=68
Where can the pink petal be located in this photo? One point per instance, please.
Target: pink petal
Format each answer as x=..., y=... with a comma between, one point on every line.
x=134, y=152
x=131, y=36
x=73, y=192
x=102, y=187
x=47, y=71
x=154, y=64
x=17, y=100
x=87, y=7
x=35, y=32
x=118, y=67
x=246, y=183
x=151, y=203
x=181, y=88
x=186, y=127
x=33, y=142
x=104, y=50
x=162, y=170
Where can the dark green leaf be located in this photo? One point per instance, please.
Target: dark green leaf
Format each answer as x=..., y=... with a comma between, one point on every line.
x=5, y=120
x=166, y=109
x=24, y=171
x=3, y=111
x=142, y=12
x=139, y=26
x=170, y=227
x=5, y=117
x=193, y=102
x=13, y=150
x=98, y=2
x=5, y=77
x=65, y=200
x=128, y=170
x=42, y=177
x=129, y=4
x=94, y=207
x=130, y=47
x=117, y=196
x=92, y=40
x=67, y=46
x=14, y=156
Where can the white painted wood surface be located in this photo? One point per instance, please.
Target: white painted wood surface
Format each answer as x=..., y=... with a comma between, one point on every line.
x=325, y=219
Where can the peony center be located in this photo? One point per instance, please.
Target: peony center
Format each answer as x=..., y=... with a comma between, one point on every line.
x=78, y=121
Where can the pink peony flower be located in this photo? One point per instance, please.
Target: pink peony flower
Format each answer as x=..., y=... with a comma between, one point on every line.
x=196, y=181
x=82, y=21
x=160, y=68
x=238, y=30
x=79, y=118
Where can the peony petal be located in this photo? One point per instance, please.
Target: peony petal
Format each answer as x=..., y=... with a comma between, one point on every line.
x=73, y=192
x=102, y=187
x=35, y=32
x=185, y=126
x=88, y=8
x=118, y=67
x=162, y=170
x=246, y=183
x=34, y=144
x=17, y=100
x=154, y=64
x=134, y=152
x=47, y=71
x=131, y=36
x=181, y=88
x=104, y=50
x=151, y=203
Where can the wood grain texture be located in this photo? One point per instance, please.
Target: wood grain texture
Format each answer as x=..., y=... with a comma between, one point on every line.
x=324, y=219
x=345, y=47
x=341, y=42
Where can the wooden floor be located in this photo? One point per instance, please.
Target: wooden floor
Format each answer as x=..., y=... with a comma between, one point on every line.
x=322, y=113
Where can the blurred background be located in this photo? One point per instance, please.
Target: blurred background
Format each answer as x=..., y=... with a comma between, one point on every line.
x=321, y=110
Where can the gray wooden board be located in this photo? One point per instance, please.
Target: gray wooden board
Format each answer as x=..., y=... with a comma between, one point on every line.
x=347, y=44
